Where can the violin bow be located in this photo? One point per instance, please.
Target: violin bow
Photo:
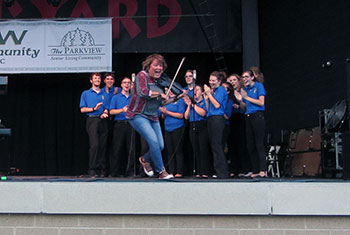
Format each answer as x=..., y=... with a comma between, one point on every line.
x=178, y=69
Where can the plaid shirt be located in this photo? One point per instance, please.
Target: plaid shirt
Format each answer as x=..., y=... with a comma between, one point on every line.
x=140, y=96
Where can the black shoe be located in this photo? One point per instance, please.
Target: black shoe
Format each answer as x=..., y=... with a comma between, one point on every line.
x=103, y=174
x=116, y=176
x=131, y=175
x=92, y=173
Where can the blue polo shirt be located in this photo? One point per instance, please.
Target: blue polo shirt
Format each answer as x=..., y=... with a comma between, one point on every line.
x=254, y=92
x=110, y=93
x=228, y=110
x=190, y=92
x=89, y=98
x=221, y=97
x=194, y=116
x=171, y=123
x=119, y=101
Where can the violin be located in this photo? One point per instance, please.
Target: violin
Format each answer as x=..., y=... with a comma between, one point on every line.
x=165, y=81
x=176, y=88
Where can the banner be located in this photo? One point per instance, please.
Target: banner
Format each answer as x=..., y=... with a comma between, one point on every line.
x=148, y=26
x=56, y=46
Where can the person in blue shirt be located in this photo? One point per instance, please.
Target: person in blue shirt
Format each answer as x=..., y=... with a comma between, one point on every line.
x=190, y=78
x=122, y=133
x=253, y=97
x=239, y=161
x=217, y=99
x=236, y=83
x=196, y=114
x=173, y=135
x=93, y=104
x=111, y=90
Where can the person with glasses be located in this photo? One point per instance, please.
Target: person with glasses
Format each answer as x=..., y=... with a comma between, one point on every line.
x=252, y=97
x=190, y=78
x=122, y=133
x=190, y=81
x=217, y=99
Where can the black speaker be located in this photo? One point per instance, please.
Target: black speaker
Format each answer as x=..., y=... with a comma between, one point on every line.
x=346, y=154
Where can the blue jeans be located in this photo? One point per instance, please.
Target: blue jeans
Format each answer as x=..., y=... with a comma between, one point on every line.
x=152, y=133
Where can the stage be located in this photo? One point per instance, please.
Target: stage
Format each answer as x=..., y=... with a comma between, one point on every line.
x=185, y=196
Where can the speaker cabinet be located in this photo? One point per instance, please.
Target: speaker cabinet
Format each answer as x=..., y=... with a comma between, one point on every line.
x=304, y=157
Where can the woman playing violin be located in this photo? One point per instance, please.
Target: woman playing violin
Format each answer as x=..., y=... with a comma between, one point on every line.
x=143, y=113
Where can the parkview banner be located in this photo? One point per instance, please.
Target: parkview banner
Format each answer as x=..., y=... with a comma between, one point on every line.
x=48, y=46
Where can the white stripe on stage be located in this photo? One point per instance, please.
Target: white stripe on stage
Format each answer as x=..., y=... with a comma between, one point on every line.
x=156, y=197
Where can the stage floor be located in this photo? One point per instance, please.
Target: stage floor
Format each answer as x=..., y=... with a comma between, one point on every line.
x=86, y=178
x=180, y=196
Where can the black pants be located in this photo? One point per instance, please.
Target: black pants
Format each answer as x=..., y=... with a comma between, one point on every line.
x=255, y=133
x=122, y=161
x=237, y=146
x=216, y=126
x=97, y=130
x=174, y=149
x=225, y=135
x=200, y=142
x=109, y=145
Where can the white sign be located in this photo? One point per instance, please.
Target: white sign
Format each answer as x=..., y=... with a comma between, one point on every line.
x=48, y=46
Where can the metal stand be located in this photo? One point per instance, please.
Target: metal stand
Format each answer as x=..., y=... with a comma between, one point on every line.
x=273, y=168
x=332, y=159
x=347, y=75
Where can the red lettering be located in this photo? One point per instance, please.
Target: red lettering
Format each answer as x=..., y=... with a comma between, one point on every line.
x=128, y=22
x=82, y=9
x=47, y=10
x=153, y=30
x=15, y=9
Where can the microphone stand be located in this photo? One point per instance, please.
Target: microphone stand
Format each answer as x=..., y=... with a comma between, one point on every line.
x=194, y=140
x=132, y=154
x=132, y=150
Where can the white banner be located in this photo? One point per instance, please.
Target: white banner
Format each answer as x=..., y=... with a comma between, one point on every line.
x=48, y=46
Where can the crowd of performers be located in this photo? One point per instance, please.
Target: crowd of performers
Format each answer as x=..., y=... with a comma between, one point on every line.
x=223, y=120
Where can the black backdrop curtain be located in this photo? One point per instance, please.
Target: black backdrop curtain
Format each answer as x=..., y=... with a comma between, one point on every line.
x=48, y=130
